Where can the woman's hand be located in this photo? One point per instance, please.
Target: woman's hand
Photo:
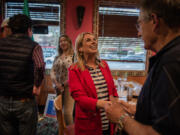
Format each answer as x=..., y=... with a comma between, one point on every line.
x=60, y=87
x=102, y=103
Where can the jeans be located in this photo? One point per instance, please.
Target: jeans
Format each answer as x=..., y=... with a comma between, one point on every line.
x=18, y=117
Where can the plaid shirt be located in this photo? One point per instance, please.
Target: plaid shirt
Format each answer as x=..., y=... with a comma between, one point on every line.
x=39, y=65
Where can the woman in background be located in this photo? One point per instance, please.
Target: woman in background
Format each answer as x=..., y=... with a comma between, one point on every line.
x=91, y=85
x=59, y=76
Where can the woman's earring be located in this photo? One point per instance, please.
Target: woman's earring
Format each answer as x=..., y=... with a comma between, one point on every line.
x=80, y=52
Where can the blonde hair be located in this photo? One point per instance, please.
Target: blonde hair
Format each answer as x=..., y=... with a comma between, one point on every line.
x=79, y=55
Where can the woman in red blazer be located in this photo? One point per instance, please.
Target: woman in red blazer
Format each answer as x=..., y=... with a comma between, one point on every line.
x=85, y=88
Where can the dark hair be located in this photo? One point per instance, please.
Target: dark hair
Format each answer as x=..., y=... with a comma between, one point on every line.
x=168, y=10
x=70, y=47
x=20, y=23
x=2, y=29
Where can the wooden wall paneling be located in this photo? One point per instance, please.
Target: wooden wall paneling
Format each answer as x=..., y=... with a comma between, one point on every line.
x=46, y=88
x=96, y=18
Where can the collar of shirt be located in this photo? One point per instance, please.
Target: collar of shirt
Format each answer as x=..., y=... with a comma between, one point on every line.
x=156, y=57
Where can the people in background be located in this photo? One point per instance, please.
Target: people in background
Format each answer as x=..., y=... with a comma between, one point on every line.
x=158, y=105
x=21, y=73
x=91, y=84
x=59, y=75
x=5, y=30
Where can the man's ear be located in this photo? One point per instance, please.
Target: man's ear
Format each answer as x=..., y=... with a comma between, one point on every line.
x=30, y=33
x=155, y=20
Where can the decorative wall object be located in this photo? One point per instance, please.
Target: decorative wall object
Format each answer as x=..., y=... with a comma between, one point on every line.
x=80, y=14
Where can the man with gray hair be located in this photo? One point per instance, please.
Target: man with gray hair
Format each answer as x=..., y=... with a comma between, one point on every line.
x=5, y=30
x=158, y=105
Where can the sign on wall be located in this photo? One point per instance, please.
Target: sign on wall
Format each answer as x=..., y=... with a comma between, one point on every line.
x=49, y=108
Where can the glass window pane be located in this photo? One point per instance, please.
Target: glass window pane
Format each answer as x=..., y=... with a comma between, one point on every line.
x=46, y=14
x=49, y=44
x=122, y=53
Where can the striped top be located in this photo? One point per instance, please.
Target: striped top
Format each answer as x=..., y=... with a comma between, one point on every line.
x=102, y=93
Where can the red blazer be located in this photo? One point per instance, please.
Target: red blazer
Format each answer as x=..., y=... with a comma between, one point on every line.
x=82, y=88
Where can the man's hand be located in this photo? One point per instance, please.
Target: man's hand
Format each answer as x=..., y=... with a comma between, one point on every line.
x=130, y=108
x=114, y=99
x=114, y=111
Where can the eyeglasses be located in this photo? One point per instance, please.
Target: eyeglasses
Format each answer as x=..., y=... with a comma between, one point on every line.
x=138, y=27
x=143, y=19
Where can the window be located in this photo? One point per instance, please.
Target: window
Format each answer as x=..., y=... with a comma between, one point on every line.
x=118, y=42
x=49, y=44
x=46, y=18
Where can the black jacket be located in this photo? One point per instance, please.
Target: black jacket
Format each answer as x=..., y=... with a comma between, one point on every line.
x=16, y=68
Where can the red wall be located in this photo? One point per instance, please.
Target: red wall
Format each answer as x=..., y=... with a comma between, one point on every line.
x=72, y=29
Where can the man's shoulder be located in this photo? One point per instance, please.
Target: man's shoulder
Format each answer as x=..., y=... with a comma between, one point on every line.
x=4, y=39
x=172, y=54
x=29, y=41
x=18, y=39
x=7, y=40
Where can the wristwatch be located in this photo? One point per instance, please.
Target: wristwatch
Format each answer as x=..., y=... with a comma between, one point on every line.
x=121, y=120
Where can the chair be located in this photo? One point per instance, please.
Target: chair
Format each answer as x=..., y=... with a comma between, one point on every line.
x=59, y=114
